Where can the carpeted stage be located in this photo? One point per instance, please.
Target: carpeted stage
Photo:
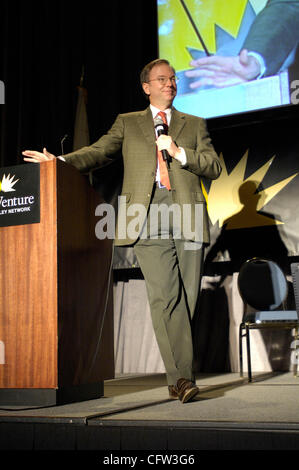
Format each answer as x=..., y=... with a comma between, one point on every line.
x=135, y=414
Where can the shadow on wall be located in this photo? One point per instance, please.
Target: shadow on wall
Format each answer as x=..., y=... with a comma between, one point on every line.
x=245, y=235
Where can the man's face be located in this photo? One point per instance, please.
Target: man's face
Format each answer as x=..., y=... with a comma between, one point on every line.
x=161, y=94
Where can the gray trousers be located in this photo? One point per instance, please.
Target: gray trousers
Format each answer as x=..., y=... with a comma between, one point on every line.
x=172, y=275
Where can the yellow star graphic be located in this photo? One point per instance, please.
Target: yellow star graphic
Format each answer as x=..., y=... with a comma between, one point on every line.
x=235, y=201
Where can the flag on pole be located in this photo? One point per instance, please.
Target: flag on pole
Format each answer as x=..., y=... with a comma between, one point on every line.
x=81, y=131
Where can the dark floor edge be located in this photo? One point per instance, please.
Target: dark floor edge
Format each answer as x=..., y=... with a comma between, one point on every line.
x=81, y=419
x=109, y=437
x=44, y=420
x=219, y=425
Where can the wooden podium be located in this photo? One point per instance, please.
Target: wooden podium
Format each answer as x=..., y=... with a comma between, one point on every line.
x=56, y=308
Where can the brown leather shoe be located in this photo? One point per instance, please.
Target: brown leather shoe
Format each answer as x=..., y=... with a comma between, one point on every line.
x=186, y=390
x=173, y=394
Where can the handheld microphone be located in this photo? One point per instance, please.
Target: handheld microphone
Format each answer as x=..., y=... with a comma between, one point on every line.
x=162, y=130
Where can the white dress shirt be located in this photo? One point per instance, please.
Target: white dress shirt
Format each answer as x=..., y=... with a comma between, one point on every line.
x=181, y=156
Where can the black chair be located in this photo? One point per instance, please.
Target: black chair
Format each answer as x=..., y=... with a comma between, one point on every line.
x=263, y=287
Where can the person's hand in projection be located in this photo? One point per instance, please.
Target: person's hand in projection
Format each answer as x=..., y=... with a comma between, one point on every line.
x=222, y=71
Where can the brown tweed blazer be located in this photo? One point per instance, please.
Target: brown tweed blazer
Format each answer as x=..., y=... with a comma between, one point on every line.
x=134, y=134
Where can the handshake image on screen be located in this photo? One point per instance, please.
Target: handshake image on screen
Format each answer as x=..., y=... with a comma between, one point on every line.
x=230, y=57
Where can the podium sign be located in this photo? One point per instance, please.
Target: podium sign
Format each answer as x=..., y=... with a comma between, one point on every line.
x=19, y=195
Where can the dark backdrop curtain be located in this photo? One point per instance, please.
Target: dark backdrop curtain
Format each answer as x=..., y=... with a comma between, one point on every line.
x=43, y=47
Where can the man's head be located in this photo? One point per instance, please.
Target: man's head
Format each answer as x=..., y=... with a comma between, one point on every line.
x=158, y=81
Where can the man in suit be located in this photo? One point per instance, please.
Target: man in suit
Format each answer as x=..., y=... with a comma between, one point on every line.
x=273, y=36
x=170, y=256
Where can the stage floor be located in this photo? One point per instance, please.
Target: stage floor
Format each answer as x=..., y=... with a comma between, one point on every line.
x=136, y=414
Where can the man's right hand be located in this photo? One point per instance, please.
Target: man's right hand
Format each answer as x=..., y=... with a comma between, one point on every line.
x=37, y=157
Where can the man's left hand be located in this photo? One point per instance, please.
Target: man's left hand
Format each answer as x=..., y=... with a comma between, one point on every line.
x=165, y=142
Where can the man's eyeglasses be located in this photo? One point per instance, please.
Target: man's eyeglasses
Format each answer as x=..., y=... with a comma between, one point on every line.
x=164, y=80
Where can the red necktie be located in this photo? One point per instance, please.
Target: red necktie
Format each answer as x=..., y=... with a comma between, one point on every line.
x=164, y=177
